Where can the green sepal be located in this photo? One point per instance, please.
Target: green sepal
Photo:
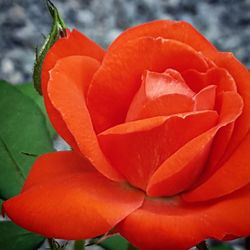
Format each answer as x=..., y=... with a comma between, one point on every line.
x=58, y=30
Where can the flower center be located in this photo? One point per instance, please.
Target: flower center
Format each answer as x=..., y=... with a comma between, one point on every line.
x=164, y=94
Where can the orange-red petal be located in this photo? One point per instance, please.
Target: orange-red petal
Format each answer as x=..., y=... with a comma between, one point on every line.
x=241, y=76
x=161, y=94
x=232, y=75
x=176, y=30
x=223, y=81
x=171, y=224
x=214, y=76
x=57, y=165
x=74, y=43
x=138, y=148
x=181, y=170
x=205, y=99
x=235, y=171
x=119, y=77
x=70, y=202
x=66, y=89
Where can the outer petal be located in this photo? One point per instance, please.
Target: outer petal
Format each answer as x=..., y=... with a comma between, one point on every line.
x=241, y=76
x=119, y=77
x=176, y=30
x=138, y=148
x=58, y=165
x=69, y=202
x=74, y=44
x=68, y=83
x=170, y=224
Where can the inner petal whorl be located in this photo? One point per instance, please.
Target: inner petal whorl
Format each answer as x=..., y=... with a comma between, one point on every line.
x=161, y=94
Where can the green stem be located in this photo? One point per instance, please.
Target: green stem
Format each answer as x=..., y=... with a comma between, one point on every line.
x=131, y=247
x=202, y=246
x=79, y=245
x=52, y=244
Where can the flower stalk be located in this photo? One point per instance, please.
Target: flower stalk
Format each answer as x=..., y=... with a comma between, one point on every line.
x=79, y=245
x=202, y=246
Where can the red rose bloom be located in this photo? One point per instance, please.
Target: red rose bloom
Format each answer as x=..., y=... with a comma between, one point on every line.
x=159, y=126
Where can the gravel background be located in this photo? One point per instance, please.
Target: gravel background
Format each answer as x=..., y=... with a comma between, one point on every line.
x=24, y=22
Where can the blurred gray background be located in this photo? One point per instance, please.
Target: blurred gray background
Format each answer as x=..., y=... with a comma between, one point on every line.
x=23, y=23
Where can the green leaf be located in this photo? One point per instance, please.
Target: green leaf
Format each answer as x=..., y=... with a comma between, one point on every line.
x=16, y=238
x=221, y=247
x=23, y=133
x=1, y=203
x=58, y=29
x=115, y=242
x=29, y=90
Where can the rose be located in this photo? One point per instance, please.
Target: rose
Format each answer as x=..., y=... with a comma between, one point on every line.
x=159, y=126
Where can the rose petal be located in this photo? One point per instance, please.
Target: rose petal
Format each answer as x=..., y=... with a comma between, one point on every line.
x=164, y=106
x=170, y=224
x=166, y=83
x=180, y=170
x=117, y=81
x=161, y=94
x=69, y=202
x=223, y=82
x=176, y=30
x=137, y=148
x=235, y=171
x=215, y=76
x=74, y=43
x=241, y=76
x=220, y=144
x=205, y=99
x=57, y=165
x=68, y=81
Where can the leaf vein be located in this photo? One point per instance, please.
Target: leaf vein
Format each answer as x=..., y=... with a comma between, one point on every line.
x=18, y=169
